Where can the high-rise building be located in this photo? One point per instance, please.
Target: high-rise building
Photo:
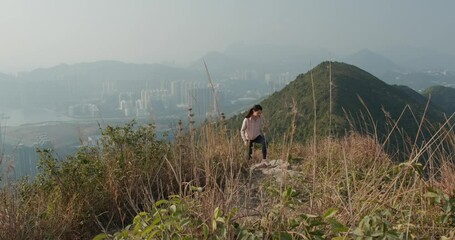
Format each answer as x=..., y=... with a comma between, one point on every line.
x=107, y=88
x=3, y=119
x=204, y=100
x=145, y=99
x=180, y=90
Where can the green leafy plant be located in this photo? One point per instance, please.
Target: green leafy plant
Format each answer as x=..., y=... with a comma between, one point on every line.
x=376, y=226
x=282, y=222
x=446, y=204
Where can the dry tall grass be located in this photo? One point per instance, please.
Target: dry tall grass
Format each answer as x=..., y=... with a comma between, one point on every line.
x=103, y=189
x=354, y=175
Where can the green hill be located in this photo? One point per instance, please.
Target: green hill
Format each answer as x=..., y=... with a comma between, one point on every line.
x=442, y=96
x=360, y=102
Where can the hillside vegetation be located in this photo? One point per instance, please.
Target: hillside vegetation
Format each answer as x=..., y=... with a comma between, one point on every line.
x=444, y=97
x=135, y=186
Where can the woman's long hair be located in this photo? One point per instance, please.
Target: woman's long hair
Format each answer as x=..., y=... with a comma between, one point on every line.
x=255, y=108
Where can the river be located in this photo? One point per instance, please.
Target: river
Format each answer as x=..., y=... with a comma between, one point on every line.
x=14, y=117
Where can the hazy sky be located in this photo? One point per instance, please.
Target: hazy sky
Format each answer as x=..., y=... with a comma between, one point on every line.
x=45, y=33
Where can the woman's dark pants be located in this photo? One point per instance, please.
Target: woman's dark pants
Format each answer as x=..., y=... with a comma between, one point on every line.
x=261, y=140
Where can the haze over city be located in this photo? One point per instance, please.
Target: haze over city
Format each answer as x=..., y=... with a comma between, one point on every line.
x=40, y=34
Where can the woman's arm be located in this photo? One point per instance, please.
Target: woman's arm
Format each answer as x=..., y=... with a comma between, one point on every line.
x=243, y=129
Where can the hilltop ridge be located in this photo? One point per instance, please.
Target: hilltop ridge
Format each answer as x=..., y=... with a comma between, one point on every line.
x=358, y=101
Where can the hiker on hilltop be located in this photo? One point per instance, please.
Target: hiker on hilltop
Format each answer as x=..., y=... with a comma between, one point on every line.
x=252, y=131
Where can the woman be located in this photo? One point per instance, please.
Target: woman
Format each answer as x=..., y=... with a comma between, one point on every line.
x=252, y=132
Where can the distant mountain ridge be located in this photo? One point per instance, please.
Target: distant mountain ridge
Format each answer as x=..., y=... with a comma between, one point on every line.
x=420, y=59
x=413, y=67
x=394, y=73
x=4, y=76
x=374, y=63
x=269, y=58
x=262, y=58
x=110, y=70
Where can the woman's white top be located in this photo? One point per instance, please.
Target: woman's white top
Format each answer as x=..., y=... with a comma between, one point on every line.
x=251, y=128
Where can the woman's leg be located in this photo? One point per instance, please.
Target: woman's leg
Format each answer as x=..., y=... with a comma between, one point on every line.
x=264, y=148
x=261, y=140
x=250, y=150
